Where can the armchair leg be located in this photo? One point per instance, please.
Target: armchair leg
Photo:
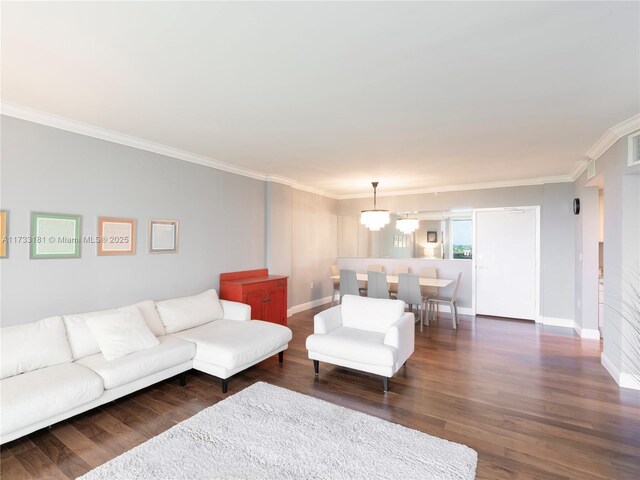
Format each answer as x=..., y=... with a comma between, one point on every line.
x=280, y=357
x=385, y=384
x=183, y=379
x=225, y=385
x=316, y=366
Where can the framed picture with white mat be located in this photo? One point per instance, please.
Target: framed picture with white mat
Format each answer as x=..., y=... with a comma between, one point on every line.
x=163, y=236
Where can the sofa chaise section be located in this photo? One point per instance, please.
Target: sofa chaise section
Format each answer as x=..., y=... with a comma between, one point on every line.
x=226, y=347
x=226, y=340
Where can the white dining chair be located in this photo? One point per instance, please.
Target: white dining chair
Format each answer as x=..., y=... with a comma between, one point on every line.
x=377, y=285
x=335, y=272
x=409, y=292
x=348, y=283
x=393, y=288
x=434, y=300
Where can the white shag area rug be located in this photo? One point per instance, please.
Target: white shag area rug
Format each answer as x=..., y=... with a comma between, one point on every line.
x=266, y=432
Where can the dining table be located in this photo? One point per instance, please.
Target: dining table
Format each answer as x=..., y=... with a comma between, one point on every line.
x=393, y=279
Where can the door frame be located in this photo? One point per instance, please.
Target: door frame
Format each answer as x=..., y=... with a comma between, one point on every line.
x=536, y=208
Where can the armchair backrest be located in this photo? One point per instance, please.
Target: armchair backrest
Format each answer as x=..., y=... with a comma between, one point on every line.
x=370, y=314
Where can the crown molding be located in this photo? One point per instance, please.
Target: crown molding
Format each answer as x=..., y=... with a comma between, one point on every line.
x=469, y=186
x=298, y=186
x=578, y=169
x=44, y=118
x=612, y=135
x=62, y=123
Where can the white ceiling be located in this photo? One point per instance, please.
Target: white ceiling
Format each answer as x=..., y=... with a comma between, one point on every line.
x=334, y=95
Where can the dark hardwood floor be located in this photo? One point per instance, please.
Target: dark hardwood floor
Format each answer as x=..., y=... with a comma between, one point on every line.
x=533, y=401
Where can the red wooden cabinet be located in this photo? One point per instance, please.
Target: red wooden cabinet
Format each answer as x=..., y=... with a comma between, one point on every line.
x=266, y=294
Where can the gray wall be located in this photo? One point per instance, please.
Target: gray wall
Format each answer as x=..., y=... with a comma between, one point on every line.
x=586, y=255
x=222, y=222
x=621, y=254
x=557, y=233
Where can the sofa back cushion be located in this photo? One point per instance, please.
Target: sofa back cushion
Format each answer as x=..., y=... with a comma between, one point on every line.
x=151, y=317
x=121, y=333
x=371, y=314
x=82, y=340
x=187, y=312
x=32, y=346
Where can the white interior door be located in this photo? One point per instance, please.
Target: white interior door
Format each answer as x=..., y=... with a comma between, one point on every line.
x=506, y=263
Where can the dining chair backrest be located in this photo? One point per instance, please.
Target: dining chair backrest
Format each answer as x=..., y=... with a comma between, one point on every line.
x=455, y=288
x=348, y=283
x=335, y=271
x=375, y=268
x=377, y=286
x=409, y=288
x=399, y=270
x=429, y=272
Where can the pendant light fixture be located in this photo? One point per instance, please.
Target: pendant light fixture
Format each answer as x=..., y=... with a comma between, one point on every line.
x=407, y=225
x=374, y=219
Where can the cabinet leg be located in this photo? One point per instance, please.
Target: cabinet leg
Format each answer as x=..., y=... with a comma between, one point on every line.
x=316, y=366
x=280, y=357
x=225, y=385
x=183, y=379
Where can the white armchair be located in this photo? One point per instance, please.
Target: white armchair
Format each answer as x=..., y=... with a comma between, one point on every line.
x=368, y=334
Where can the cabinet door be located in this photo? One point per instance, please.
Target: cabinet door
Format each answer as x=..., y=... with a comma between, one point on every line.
x=254, y=300
x=275, y=309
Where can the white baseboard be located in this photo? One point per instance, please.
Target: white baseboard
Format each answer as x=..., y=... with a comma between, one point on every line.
x=588, y=333
x=558, y=322
x=623, y=379
x=461, y=310
x=306, y=306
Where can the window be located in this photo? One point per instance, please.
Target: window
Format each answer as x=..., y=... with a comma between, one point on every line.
x=461, y=238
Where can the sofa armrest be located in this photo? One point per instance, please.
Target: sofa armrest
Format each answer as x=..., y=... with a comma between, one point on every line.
x=235, y=310
x=327, y=320
x=401, y=336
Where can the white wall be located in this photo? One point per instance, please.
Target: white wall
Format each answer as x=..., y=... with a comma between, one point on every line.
x=314, y=246
x=278, y=232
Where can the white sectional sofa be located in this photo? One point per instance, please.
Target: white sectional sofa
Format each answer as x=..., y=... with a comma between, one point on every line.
x=58, y=367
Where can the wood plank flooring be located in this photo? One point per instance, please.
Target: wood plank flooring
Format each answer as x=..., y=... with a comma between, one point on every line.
x=533, y=401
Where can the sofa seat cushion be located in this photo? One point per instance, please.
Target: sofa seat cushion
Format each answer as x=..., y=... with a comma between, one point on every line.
x=231, y=343
x=354, y=345
x=123, y=370
x=35, y=396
